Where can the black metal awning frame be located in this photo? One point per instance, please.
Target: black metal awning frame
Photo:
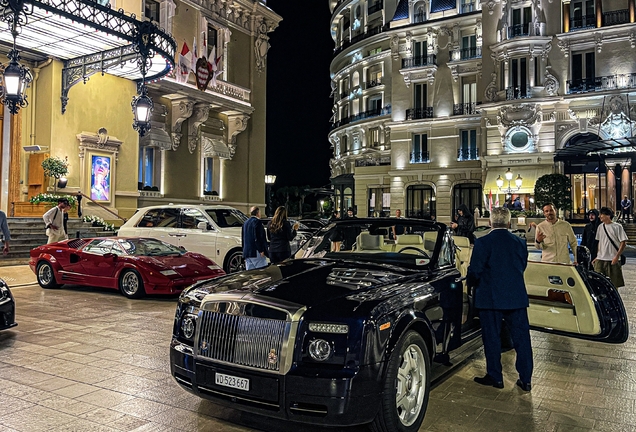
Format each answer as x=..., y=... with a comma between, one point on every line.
x=607, y=148
x=144, y=39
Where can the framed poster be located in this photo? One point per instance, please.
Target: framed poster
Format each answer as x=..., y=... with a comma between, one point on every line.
x=100, y=177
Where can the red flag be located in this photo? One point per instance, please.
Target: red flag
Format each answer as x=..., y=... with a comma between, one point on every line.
x=490, y=201
x=185, y=60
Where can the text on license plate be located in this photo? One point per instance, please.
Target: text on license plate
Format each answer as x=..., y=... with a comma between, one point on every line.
x=232, y=381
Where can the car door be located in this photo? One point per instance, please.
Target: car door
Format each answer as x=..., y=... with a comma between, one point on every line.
x=566, y=301
x=194, y=239
x=160, y=223
x=92, y=258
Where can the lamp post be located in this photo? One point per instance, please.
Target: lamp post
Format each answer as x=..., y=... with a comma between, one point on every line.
x=15, y=77
x=509, y=175
x=270, y=179
x=142, y=105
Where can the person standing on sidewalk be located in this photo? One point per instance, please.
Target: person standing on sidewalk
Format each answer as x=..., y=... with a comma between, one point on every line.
x=553, y=236
x=254, y=241
x=6, y=234
x=611, y=244
x=496, y=271
x=54, y=220
x=588, y=239
x=626, y=205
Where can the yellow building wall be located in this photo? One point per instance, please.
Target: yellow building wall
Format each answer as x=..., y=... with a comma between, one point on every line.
x=103, y=102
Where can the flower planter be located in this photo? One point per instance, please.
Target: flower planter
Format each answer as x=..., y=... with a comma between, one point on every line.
x=27, y=209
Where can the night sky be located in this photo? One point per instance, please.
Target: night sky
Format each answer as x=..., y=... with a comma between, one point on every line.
x=298, y=88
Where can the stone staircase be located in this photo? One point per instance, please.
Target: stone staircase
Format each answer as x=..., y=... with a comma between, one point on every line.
x=630, y=230
x=28, y=233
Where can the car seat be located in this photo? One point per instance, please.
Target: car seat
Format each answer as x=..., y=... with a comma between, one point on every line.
x=369, y=242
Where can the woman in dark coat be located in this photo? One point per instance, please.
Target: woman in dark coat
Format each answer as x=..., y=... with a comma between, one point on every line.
x=280, y=234
x=465, y=224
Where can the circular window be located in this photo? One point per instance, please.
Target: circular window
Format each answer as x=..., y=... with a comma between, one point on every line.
x=519, y=140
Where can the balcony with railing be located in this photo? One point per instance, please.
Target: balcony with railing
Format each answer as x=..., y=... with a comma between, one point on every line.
x=357, y=38
x=465, y=108
x=518, y=30
x=616, y=17
x=380, y=161
x=467, y=154
x=466, y=7
x=513, y=93
x=420, y=157
x=375, y=7
x=419, y=17
x=602, y=83
x=582, y=22
x=419, y=113
x=465, y=54
x=419, y=61
x=373, y=83
x=376, y=112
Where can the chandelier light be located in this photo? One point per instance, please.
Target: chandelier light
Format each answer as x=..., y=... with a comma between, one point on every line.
x=15, y=77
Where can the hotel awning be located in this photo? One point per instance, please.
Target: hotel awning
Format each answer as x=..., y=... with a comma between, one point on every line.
x=608, y=148
x=528, y=174
x=90, y=38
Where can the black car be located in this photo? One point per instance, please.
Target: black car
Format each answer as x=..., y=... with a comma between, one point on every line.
x=348, y=337
x=7, y=307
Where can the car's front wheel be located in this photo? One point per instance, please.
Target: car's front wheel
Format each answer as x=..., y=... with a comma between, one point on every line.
x=131, y=285
x=234, y=262
x=46, y=275
x=406, y=386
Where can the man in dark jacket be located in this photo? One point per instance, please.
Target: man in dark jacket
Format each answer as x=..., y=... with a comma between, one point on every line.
x=254, y=241
x=497, y=264
x=589, y=233
x=465, y=225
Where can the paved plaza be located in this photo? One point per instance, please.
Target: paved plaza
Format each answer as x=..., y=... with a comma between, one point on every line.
x=85, y=359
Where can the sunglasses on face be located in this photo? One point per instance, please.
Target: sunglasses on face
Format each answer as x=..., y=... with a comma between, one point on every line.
x=101, y=163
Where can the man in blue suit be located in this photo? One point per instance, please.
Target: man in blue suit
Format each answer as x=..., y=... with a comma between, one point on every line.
x=497, y=264
x=254, y=242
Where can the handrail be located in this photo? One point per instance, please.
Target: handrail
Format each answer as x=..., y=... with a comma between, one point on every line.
x=79, y=193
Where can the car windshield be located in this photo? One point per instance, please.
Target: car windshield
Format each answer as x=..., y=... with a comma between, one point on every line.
x=227, y=218
x=410, y=243
x=149, y=247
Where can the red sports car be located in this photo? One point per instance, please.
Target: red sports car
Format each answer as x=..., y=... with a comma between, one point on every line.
x=135, y=266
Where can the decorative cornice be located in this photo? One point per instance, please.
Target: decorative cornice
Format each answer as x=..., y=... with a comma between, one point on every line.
x=236, y=124
x=245, y=15
x=200, y=114
x=98, y=141
x=425, y=73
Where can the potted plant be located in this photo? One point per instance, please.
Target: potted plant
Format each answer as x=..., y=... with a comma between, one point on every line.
x=56, y=168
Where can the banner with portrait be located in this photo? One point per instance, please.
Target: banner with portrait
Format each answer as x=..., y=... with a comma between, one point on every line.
x=100, y=179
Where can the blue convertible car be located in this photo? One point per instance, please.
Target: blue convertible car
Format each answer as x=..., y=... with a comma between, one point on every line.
x=346, y=333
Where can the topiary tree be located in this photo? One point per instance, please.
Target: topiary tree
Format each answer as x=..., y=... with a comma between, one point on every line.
x=554, y=188
x=55, y=167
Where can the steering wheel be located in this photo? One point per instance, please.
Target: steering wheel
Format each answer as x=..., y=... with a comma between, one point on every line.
x=421, y=251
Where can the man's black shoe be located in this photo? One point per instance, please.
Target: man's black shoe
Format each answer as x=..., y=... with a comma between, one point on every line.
x=487, y=380
x=524, y=386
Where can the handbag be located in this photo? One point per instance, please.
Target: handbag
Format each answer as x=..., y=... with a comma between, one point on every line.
x=623, y=259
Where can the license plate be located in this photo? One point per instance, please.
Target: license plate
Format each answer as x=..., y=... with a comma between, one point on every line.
x=232, y=382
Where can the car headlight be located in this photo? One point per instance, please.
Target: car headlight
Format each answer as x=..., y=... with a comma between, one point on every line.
x=320, y=350
x=329, y=328
x=168, y=272
x=188, y=326
x=4, y=292
x=214, y=267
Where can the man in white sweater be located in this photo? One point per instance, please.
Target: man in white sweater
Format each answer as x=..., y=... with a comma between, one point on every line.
x=54, y=220
x=553, y=237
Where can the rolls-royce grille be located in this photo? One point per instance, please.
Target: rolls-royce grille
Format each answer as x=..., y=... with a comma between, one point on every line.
x=241, y=340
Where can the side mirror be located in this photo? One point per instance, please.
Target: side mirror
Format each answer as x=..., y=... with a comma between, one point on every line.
x=203, y=226
x=110, y=255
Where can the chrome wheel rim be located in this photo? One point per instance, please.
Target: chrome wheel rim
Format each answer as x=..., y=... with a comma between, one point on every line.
x=45, y=274
x=411, y=385
x=130, y=283
x=236, y=263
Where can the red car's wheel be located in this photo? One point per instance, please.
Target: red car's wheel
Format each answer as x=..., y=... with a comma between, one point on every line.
x=131, y=285
x=46, y=275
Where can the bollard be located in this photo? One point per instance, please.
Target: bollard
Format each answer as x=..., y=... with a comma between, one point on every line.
x=78, y=234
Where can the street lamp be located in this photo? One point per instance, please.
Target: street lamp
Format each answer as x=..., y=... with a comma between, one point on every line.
x=509, y=175
x=15, y=77
x=270, y=179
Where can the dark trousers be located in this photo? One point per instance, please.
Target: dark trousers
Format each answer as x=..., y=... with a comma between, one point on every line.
x=517, y=322
x=627, y=215
x=276, y=257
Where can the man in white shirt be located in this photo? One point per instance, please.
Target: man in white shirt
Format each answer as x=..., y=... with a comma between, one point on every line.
x=607, y=259
x=54, y=220
x=553, y=237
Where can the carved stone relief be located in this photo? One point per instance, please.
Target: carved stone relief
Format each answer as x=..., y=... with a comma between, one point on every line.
x=200, y=114
x=181, y=111
x=551, y=83
x=236, y=124
x=395, y=47
x=261, y=47
x=564, y=45
x=491, y=90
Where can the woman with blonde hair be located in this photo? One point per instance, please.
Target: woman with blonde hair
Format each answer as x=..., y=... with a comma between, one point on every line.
x=280, y=234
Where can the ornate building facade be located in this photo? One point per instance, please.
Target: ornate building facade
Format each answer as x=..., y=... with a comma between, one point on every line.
x=205, y=144
x=437, y=100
